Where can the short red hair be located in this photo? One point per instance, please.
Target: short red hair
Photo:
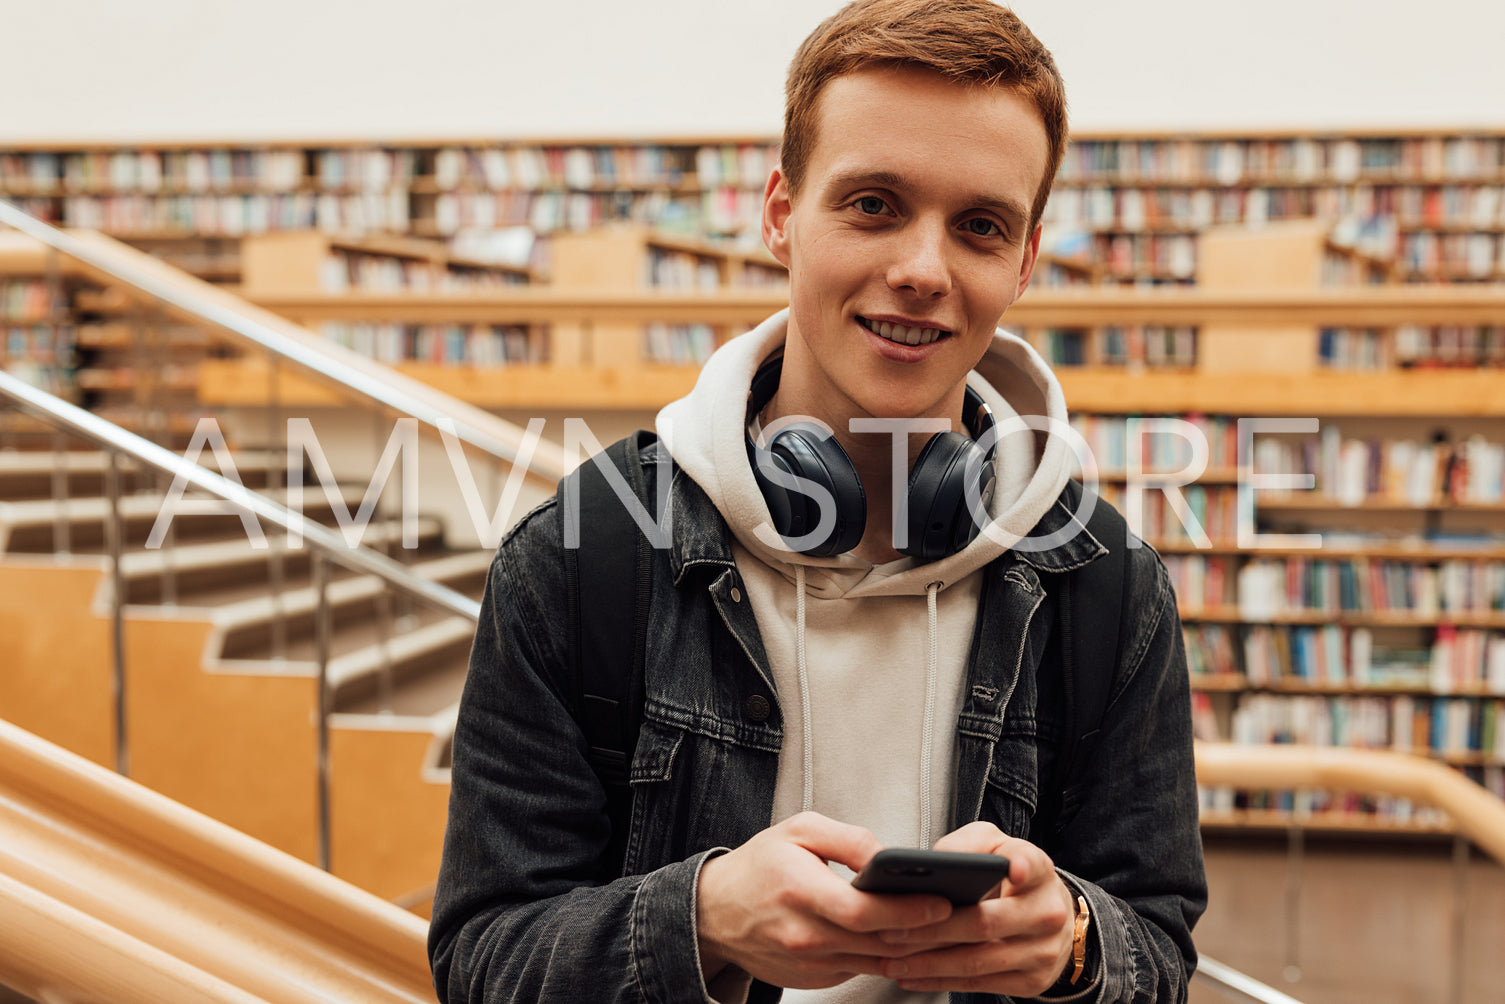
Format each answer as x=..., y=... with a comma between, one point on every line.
x=969, y=41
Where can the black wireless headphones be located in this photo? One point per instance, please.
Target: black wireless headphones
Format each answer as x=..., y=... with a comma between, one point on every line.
x=939, y=521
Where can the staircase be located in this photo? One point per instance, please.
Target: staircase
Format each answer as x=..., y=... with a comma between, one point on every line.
x=220, y=670
x=220, y=707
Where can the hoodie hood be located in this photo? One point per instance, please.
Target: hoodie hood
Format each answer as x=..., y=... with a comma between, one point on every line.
x=705, y=432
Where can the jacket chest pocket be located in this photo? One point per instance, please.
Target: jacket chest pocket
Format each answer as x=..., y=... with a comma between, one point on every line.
x=691, y=792
x=1012, y=794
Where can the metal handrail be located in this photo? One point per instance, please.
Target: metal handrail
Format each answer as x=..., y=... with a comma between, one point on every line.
x=58, y=413
x=1241, y=987
x=386, y=392
x=327, y=546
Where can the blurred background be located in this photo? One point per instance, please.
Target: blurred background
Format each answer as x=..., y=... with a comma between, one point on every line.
x=283, y=69
x=481, y=214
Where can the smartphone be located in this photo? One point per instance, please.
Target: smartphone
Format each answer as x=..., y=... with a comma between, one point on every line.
x=962, y=878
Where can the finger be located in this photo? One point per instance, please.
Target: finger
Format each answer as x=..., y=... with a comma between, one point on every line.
x=871, y=913
x=1011, y=966
x=974, y=838
x=832, y=840
x=1008, y=917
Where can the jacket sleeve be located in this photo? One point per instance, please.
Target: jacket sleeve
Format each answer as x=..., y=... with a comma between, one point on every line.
x=521, y=912
x=1134, y=848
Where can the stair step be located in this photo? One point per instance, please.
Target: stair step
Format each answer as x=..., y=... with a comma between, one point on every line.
x=437, y=648
x=248, y=625
x=29, y=526
x=28, y=474
x=215, y=573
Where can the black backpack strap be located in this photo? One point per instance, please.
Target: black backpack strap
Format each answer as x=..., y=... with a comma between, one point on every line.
x=1091, y=618
x=608, y=619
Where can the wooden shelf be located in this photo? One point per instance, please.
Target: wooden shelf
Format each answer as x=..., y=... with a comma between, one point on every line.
x=243, y=382
x=1421, y=554
x=1443, y=393
x=1332, y=822
x=1210, y=476
x=1492, y=621
x=1270, y=502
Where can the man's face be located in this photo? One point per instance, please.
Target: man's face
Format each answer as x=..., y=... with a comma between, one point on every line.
x=912, y=213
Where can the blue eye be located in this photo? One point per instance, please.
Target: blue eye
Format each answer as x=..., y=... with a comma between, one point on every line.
x=980, y=226
x=871, y=204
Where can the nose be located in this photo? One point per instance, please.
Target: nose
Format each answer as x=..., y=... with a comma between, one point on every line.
x=920, y=264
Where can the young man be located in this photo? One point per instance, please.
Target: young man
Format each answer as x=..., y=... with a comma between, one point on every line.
x=815, y=694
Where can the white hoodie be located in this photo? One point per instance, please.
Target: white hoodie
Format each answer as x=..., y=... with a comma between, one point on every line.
x=869, y=661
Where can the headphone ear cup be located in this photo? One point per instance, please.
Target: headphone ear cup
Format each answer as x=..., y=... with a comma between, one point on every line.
x=939, y=522
x=805, y=451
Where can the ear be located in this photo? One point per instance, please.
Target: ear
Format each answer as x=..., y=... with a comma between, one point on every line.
x=1027, y=266
x=776, y=210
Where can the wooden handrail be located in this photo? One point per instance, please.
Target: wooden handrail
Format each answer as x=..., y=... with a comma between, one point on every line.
x=130, y=896
x=1478, y=815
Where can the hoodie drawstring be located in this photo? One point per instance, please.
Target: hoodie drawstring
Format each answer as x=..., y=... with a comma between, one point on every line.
x=807, y=740
x=927, y=744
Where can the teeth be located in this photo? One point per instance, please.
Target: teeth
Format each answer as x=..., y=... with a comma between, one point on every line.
x=904, y=336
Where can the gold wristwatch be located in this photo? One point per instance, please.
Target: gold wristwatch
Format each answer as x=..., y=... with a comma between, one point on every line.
x=1079, y=940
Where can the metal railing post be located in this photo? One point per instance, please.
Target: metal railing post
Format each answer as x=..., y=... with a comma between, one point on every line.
x=114, y=534
x=1296, y=853
x=61, y=531
x=321, y=646
x=277, y=566
x=386, y=681
x=1461, y=854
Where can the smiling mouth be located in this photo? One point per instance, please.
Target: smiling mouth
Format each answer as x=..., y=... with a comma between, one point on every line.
x=902, y=335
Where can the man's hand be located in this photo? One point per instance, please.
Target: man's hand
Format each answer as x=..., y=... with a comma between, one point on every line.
x=1017, y=943
x=775, y=909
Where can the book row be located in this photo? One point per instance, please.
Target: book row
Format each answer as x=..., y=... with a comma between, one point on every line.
x=446, y=344
x=234, y=215
x=667, y=269
x=1403, y=207
x=342, y=271
x=1457, y=660
x=678, y=344
x=1298, y=159
x=1210, y=514
x=1161, y=443
x=717, y=211
x=1474, y=256
x=1446, y=726
x=744, y=165
x=1351, y=471
x=150, y=171
x=1447, y=346
x=154, y=170
x=1267, y=588
x=1133, y=345
x=1166, y=256
x=25, y=301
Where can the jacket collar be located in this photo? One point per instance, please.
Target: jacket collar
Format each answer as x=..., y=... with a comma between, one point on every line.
x=1073, y=544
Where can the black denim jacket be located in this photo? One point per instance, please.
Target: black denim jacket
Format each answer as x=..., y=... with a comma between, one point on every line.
x=522, y=911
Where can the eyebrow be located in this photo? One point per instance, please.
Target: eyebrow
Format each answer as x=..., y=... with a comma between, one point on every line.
x=1015, y=212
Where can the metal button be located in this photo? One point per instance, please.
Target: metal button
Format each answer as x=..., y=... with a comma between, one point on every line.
x=736, y=595
x=758, y=708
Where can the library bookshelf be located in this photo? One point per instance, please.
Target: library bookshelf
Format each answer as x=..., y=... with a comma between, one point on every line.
x=1134, y=205
x=1183, y=281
